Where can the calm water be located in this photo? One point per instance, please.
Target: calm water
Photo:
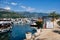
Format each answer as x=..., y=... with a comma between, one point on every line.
x=17, y=32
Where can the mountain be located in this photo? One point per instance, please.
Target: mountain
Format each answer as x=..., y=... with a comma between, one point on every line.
x=1, y=9
x=8, y=14
x=11, y=14
x=33, y=14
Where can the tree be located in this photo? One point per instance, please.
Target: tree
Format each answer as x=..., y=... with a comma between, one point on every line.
x=54, y=15
x=39, y=24
x=58, y=23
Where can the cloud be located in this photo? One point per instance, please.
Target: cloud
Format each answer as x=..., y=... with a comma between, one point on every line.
x=24, y=7
x=30, y=9
x=49, y=11
x=13, y=3
x=7, y=8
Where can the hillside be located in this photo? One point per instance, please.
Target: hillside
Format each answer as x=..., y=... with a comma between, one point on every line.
x=11, y=14
x=8, y=14
x=32, y=14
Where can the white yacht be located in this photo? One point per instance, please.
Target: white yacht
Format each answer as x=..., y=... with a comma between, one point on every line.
x=5, y=25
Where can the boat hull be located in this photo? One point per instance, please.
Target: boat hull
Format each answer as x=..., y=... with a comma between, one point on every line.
x=33, y=25
x=5, y=30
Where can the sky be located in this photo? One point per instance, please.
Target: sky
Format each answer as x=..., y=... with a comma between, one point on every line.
x=31, y=5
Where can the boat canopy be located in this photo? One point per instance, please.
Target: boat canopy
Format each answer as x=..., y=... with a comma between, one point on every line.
x=2, y=22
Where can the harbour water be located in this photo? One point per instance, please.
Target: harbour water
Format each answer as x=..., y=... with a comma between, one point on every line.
x=17, y=32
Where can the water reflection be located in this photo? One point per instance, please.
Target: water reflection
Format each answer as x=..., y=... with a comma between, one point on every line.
x=5, y=36
x=18, y=32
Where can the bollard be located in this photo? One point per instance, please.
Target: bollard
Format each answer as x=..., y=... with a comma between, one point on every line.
x=28, y=36
x=38, y=30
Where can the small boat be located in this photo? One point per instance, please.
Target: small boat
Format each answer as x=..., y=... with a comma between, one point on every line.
x=33, y=25
x=37, y=24
x=5, y=25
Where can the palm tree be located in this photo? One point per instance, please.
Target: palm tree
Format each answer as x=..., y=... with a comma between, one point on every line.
x=54, y=15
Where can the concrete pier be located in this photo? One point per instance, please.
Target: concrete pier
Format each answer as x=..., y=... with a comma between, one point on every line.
x=30, y=36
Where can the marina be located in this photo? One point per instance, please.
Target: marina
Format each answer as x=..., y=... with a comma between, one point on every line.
x=26, y=30
x=29, y=19
x=17, y=32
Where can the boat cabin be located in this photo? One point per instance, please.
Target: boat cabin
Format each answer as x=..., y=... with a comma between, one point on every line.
x=5, y=23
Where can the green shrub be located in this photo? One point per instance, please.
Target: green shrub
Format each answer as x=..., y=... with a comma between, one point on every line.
x=58, y=23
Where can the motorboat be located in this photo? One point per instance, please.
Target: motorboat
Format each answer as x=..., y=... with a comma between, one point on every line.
x=33, y=25
x=5, y=25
